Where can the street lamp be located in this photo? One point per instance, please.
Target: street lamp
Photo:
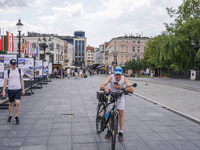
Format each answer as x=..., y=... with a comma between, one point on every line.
x=19, y=26
x=195, y=45
x=44, y=44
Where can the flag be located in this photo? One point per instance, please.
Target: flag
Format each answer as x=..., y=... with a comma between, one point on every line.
x=8, y=41
x=30, y=49
x=0, y=40
x=12, y=42
x=22, y=45
x=25, y=47
x=37, y=52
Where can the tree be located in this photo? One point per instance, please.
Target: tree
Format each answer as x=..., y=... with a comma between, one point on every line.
x=134, y=65
x=172, y=49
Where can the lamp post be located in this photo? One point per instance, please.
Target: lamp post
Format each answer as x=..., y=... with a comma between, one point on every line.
x=44, y=44
x=19, y=26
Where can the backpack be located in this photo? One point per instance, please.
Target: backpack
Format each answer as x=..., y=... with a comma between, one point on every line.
x=18, y=70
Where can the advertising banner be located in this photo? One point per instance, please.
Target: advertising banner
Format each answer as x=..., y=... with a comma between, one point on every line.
x=27, y=66
x=45, y=68
x=50, y=68
x=38, y=68
x=5, y=65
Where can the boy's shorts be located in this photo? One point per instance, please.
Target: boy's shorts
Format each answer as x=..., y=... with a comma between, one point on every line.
x=14, y=95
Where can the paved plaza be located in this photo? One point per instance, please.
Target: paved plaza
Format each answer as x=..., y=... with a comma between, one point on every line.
x=61, y=116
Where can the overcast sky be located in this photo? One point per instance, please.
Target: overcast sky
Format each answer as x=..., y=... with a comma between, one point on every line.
x=101, y=20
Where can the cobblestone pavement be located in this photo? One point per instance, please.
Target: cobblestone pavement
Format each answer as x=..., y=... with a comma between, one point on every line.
x=43, y=127
x=180, y=95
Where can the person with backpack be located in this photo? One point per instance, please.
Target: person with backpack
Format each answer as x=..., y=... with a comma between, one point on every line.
x=14, y=80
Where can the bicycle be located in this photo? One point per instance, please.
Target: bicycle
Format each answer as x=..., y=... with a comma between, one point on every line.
x=103, y=116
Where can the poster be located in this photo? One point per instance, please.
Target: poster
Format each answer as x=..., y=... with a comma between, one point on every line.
x=50, y=68
x=27, y=66
x=45, y=68
x=38, y=68
x=5, y=65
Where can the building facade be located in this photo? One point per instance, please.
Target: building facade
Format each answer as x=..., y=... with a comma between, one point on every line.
x=70, y=54
x=123, y=49
x=79, y=45
x=90, y=56
x=54, y=51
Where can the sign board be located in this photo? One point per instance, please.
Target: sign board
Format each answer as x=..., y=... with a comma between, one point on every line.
x=5, y=65
x=45, y=68
x=38, y=68
x=27, y=66
x=50, y=68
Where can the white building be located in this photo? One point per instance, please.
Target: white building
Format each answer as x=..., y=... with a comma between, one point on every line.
x=70, y=54
x=56, y=48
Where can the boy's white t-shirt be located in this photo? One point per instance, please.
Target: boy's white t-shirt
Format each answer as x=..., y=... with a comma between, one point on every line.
x=14, y=82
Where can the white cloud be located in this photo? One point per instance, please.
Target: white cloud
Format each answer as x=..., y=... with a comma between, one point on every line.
x=42, y=2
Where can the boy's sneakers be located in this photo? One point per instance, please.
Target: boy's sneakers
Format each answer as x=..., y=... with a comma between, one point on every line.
x=120, y=137
x=108, y=135
x=9, y=118
x=17, y=120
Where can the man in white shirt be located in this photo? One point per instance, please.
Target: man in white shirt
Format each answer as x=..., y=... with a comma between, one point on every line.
x=116, y=83
x=14, y=78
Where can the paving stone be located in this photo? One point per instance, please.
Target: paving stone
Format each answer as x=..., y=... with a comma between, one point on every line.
x=32, y=141
x=36, y=147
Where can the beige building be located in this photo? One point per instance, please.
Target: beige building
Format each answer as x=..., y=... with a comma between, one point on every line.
x=90, y=56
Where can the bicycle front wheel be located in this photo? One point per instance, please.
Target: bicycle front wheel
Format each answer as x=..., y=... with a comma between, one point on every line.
x=100, y=121
x=114, y=128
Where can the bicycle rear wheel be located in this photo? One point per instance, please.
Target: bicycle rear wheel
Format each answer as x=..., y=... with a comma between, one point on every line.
x=114, y=128
x=100, y=117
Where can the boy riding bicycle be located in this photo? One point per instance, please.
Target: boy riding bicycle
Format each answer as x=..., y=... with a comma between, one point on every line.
x=116, y=83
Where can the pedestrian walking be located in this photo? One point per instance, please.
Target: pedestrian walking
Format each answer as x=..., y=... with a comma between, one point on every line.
x=55, y=72
x=14, y=79
x=68, y=72
x=63, y=73
x=76, y=72
x=151, y=73
x=59, y=73
x=147, y=72
x=81, y=72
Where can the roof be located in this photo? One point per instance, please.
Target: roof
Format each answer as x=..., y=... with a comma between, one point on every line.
x=90, y=48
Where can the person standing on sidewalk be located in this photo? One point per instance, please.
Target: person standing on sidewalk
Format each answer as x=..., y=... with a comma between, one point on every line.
x=116, y=82
x=147, y=72
x=14, y=78
x=68, y=72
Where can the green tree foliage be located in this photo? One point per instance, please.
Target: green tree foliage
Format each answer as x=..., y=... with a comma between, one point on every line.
x=134, y=65
x=172, y=49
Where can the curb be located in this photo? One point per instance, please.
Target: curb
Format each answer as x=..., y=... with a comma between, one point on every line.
x=196, y=120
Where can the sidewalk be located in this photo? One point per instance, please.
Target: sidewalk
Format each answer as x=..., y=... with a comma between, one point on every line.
x=47, y=124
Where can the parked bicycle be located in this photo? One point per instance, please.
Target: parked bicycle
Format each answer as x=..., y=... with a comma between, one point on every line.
x=103, y=115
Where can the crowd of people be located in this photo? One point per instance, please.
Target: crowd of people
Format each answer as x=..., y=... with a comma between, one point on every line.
x=73, y=72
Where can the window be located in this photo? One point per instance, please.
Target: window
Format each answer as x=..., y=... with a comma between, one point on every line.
x=138, y=42
x=92, y=54
x=133, y=42
x=133, y=49
x=88, y=54
x=88, y=57
x=91, y=57
x=115, y=48
x=138, y=49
